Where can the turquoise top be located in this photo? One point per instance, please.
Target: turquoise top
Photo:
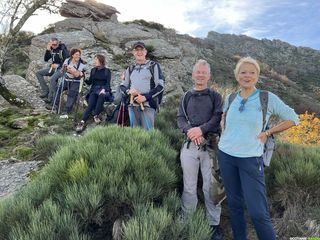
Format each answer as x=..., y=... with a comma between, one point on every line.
x=239, y=138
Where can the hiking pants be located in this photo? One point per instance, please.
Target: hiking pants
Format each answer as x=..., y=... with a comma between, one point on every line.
x=244, y=183
x=73, y=91
x=95, y=102
x=55, y=75
x=192, y=159
x=139, y=118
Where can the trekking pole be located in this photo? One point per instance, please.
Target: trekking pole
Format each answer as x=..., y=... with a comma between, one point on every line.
x=123, y=107
x=78, y=98
x=146, y=120
x=119, y=113
x=60, y=87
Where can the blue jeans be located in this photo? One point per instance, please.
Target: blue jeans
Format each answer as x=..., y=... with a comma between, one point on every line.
x=139, y=118
x=244, y=183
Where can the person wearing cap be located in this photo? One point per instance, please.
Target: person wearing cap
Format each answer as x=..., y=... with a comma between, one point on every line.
x=143, y=83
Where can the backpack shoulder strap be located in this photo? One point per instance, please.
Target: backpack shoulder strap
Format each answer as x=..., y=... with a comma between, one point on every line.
x=185, y=101
x=79, y=62
x=131, y=68
x=212, y=96
x=232, y=96
x=152, y=65
x=264, y=97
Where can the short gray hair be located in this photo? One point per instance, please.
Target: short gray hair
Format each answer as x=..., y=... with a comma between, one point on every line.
x=203, y=63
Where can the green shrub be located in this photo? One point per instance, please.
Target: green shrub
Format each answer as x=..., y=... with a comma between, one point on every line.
x=91, y=182
x=46, y=146
x=166, y=122
x=150, y=222
x=24, y=152
x=293, y=182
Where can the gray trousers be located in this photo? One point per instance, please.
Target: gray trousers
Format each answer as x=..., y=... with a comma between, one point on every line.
x=139, y=118
x=55, y=75
x=72, y=96
x=192, y=159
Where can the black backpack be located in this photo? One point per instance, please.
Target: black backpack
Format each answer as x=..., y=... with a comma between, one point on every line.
x=155, y=102
x=63, y=52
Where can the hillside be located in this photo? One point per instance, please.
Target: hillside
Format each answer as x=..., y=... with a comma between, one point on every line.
x=289, y=71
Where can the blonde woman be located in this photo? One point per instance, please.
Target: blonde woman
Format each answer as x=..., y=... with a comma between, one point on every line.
x=241, y=148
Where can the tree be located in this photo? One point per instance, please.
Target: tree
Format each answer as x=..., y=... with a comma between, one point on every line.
x=13, y=15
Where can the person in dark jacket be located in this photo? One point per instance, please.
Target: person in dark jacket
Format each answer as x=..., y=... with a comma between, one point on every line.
x=100, y=91
x=198, y=118
x=57, y=53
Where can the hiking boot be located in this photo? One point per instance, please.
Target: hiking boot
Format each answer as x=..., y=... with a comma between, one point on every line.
x=44, y=95
x=80, y=127
x=97, y=119
x=216, y=232
x=64, y=116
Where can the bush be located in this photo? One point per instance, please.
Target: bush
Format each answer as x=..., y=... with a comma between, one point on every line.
x=91, y=182
x=293, y=180
x=307, y=132
x=166, y=121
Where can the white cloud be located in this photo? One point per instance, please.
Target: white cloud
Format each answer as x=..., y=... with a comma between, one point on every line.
x=170, y=13
x=40, y=21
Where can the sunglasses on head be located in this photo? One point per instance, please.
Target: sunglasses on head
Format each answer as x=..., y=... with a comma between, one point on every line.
x=242, y=104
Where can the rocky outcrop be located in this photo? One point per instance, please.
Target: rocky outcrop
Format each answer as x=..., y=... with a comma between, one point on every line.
x=23, y=90
x=14, y=174
x=114, y=41
x=88, y=9
x=299, y=64
x=287, y=70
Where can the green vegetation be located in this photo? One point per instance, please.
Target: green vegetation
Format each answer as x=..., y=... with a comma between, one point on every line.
x=91, y=182
x=122, y=59
x=153, y=25
x=293, y=182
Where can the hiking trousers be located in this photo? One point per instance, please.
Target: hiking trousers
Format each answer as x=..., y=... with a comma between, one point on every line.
x=244, y=183
x=55, y=75
x=95, y=102
x=73, y=91
x=139, y=118
x=192, y=159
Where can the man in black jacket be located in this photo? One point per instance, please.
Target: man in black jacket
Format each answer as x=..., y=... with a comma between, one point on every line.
x=199, y=119
x=57, y=52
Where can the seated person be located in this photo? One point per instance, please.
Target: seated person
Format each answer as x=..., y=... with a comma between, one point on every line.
x=100, y=91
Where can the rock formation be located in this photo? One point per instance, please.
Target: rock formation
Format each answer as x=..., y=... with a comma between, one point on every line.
x=281, y=63
x=88, y=9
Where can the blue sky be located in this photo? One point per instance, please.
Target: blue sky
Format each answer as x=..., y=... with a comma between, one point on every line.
x=293, y=21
